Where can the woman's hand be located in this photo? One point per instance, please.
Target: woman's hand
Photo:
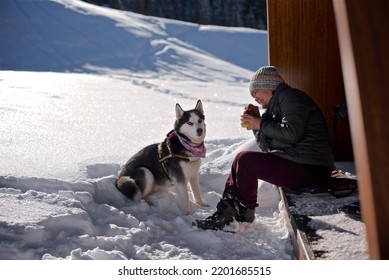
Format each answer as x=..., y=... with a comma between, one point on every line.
x=251, y=118
x=250, y=122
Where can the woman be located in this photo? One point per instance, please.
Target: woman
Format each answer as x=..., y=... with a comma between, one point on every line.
x=296, y=150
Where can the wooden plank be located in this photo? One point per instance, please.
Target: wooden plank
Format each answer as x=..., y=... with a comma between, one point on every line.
x=364, y=46
x=299, y=239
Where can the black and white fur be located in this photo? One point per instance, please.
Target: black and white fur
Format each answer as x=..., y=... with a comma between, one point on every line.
x=144, y=174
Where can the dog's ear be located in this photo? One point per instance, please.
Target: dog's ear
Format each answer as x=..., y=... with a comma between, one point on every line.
x=199, y=107
x=179, y=111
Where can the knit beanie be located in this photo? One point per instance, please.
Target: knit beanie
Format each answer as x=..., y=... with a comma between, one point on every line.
x=266, y=77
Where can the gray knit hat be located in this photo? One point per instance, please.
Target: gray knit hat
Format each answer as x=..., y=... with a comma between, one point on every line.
x=266, y=77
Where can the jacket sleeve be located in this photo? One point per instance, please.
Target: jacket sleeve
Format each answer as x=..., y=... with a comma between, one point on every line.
x=289, y=124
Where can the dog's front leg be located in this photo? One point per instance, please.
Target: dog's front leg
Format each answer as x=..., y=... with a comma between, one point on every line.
x=195, y=186
x=183, y=197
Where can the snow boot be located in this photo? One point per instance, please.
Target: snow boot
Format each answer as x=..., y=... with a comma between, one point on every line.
x=244, y=214
x=222, y=218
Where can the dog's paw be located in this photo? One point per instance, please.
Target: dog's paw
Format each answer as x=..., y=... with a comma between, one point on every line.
x=202, y=203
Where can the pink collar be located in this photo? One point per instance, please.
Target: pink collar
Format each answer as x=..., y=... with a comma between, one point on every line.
x=198, y=150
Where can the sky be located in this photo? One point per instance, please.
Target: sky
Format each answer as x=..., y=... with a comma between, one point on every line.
x=83, y=88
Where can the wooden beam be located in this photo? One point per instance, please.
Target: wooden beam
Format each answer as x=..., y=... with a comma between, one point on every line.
x=364, y=47
x=300, y=241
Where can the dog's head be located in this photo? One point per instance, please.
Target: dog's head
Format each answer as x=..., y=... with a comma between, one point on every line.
x=190, y=124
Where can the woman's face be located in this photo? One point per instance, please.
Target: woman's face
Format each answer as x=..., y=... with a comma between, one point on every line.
x=262, y=96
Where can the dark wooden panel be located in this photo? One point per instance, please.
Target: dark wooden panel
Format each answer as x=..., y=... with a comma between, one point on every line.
x=364, y=44
x=303, y=45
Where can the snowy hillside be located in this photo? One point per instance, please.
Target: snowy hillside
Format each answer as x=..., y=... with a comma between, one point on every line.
x=73, y=36
x=82, y=88
x=65, y=136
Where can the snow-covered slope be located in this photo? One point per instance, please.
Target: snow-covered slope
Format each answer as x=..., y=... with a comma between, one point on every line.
x=82, y=88
x=64, y=35
x=65, y=136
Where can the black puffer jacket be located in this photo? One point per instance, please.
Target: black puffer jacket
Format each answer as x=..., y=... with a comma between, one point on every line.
x=293, y=127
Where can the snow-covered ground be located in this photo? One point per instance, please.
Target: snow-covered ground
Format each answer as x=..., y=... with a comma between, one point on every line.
x=82, y=88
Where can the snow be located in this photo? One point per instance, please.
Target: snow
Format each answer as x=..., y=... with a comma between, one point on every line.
x=337, y=236
x=82, y=88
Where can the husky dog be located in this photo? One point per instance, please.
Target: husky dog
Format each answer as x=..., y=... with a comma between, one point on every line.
x=174, y=162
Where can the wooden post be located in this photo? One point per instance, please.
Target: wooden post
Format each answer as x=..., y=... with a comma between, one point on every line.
x=364, y=46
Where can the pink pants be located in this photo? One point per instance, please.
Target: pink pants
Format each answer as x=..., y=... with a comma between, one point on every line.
x=249, y=166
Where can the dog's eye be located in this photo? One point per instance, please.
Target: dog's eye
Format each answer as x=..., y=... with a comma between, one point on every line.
x=189, y=123
x=200, y=120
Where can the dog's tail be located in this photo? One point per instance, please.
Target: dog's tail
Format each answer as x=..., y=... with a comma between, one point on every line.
x=136, y=189
x=127, y=186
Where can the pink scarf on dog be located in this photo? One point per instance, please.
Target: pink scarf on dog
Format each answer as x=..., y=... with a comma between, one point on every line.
x=198, y=150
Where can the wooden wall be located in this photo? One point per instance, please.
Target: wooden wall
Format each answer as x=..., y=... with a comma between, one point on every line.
x=303, y=45
x=363, y=28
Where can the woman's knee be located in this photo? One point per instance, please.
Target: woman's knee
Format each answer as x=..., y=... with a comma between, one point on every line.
x=247, y=157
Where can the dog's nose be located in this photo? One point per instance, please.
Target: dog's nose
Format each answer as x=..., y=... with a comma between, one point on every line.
x=199, y=131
